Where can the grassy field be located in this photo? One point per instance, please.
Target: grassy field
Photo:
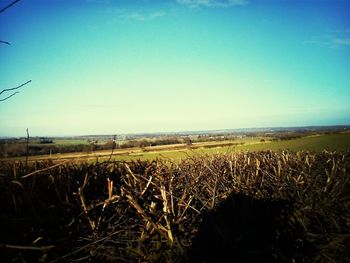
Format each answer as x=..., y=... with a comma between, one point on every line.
x=317, y=143
x=83, y=204
x=331, y=142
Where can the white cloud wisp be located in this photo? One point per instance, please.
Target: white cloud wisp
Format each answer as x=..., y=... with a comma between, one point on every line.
x=212, y=3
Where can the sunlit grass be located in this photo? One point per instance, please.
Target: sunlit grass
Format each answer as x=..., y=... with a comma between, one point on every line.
x=331, y=142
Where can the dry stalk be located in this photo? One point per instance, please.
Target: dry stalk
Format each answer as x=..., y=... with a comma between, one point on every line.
x=147, y=185
x=85, y=247
x=166, y=212
x=186, y=207
x=152, y=202
x=43, y=170
x=144, y=216
x=111, y=198
x=214, y=192
x=131, y=173
x=15, y=247
x=83, y=202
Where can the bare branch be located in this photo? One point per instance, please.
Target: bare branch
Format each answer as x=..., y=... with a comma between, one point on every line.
x=5, y=42
x=2, y=10
x=4, y=90
x=8, y=43
x=27, y=148
x=43, y=170
x=13, y=94
x=43, y=248
x=14, y=2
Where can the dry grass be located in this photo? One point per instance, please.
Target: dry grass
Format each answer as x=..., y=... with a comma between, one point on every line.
x=151, y=211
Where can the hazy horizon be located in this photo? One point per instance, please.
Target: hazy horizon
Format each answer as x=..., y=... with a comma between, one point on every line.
x=216, y=131
x=116, y=67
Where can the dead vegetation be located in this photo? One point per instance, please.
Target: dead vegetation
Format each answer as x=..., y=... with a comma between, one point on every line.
x=291, y=207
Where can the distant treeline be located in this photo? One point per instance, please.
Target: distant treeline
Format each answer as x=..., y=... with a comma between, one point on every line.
x=149, y=143
x=20, y=149
x=17, y=149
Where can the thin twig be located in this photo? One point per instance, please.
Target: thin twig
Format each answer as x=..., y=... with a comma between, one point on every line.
x=86, y=246
x=10, y=89
x=43, y=170
x=27, y=147
x=5, y=42
x=13, y=94
x=20, y=86
x=83, y=202
x=114, y=144
x=166, y=212
x=15, y=247
x=8, y=6
x=147, y=185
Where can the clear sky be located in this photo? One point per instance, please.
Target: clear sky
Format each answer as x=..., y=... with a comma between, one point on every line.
x=120, y=66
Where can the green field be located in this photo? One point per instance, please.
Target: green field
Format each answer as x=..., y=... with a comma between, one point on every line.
x=331, y=142
x=69, y=141
x=339, y=142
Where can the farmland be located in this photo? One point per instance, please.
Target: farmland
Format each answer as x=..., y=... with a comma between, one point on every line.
x=277, y=200
x=313, y=143
x=273, y=207
x=333, y=142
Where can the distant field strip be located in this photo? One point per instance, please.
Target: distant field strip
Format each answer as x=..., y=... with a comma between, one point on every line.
x=332, y=142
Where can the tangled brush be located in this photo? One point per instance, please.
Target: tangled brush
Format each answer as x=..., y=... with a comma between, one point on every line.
x=281, y=207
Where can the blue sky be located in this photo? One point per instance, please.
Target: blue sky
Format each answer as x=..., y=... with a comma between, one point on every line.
x=114, y=66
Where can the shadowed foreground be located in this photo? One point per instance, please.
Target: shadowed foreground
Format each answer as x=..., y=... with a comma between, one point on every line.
x=246, y=206
x=253, y=230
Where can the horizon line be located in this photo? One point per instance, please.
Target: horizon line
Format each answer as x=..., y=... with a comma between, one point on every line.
x=186, y=131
